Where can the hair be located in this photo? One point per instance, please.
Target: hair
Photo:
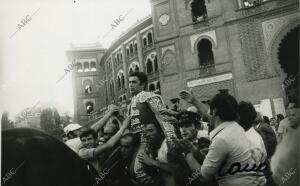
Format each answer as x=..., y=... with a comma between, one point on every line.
x=71, y=135
x=115, y=122
x=280, y=117
x=247, y=114
x=258, y=118
x=141, y=76
x=135, y=139
x=85, y=133
x=266, y=120
x=226, y=107
x=159, y=129
x=187, y=118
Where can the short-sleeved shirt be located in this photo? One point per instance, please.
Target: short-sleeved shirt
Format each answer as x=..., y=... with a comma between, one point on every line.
x=88, y=154
x=229, y=145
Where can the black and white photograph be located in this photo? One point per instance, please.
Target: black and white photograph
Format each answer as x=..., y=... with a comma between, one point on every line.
x=149, y=92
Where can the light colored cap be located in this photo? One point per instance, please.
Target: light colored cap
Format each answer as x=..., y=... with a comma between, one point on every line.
x=192, y=109
x=71, y=127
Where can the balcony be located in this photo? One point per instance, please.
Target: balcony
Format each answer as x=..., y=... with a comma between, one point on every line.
x=148, y=47
x=207, y=68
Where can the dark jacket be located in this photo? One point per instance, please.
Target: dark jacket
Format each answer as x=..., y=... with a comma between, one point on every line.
x=269, y=137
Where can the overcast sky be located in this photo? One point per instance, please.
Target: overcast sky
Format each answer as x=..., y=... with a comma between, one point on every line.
x=33, y=58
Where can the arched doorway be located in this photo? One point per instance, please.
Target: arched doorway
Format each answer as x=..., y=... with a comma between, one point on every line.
x=288, y=56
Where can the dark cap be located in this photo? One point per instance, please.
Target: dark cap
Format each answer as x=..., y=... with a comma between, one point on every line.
x=187, y=118
x=224, y=91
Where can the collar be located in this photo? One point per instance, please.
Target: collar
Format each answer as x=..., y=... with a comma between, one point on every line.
x=219, y=128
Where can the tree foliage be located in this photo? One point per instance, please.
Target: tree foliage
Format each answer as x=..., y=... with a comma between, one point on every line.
x=5, y=122
x=49, y=119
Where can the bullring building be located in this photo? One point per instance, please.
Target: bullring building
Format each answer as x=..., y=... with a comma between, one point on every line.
x=249, y=47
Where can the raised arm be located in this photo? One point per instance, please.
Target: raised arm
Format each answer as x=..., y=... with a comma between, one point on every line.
x=100, y=124
x=113, y=140
x=189, y=97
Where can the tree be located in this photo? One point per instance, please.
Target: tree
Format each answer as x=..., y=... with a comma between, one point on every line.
x=47, y=119
x=5, y=122
x=50, y=122
x=56, y=118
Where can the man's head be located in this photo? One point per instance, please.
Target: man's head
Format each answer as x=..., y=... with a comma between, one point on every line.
x=247, y=114
x=223, y=107
x=258, y=118
x=154, y=134
x=188, y=122
x=294, y=115
x=273, y=121
x=128, y=145
x=88, y=138
x=266, y=120
x=110, y=129
x=137, y=82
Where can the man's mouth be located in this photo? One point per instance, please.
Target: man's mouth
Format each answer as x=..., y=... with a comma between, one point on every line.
x=184, y=135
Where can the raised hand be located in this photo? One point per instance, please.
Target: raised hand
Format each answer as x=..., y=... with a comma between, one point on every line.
x=187, y=96
x=145, y=159
x=112, y=109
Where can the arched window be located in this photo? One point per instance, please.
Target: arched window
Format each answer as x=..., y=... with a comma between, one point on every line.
x=109, y=66
x=86, y=67
x=127, y=52
x=135, y=48
x=136, y=69
x=79, y=67
x=150, y=40
x=199, y=11
x=88, y=89
x=131, y=49
x=112, y=88
x=121, y=57
x=93, y=66
x=155, y=64
x=145, y=42
x=130, y=71
x=89, y=107
x=122, y=81
x=205, y=53
x=151, y=87
x=124, y=98
x=120, y=98
x=158, y=85
x=119, y=82
x=149, y=66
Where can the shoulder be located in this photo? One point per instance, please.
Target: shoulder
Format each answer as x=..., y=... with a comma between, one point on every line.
x=144, y=96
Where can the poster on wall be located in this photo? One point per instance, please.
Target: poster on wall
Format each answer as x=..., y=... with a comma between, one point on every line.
x=265, y=108
x=279, y=106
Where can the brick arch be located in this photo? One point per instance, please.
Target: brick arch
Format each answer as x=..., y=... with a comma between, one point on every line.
x=277, y=39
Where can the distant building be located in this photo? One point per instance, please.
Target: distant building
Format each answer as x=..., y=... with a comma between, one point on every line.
x=249, y=47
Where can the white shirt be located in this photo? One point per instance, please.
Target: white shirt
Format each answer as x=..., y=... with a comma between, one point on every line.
x=74, y=144
x=202, y=133
x=229, y=144
x=257, y=146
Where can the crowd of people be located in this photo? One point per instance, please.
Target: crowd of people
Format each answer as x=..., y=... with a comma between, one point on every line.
x=219, y=142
